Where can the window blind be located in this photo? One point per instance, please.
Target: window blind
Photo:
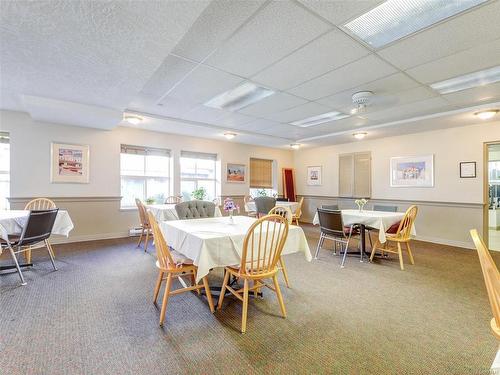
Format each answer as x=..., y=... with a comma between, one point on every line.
x=261, y=173
x=355, y=175
x=140, y=150
x=198, y=155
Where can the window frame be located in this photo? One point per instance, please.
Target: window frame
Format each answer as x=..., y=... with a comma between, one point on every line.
x=202, y=156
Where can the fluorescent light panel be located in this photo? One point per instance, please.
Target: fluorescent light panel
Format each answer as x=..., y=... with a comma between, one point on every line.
x=319, y=119
x=467, y=81
x=395, y=19
x=239, y=97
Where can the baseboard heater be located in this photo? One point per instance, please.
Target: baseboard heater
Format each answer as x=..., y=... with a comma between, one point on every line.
x=134, y=232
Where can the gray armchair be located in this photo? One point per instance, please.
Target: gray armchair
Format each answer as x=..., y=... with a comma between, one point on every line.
x=264, y=205
x=195, y=209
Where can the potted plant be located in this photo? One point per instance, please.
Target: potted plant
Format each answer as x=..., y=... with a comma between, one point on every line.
x=150, y=200
x=200, y=193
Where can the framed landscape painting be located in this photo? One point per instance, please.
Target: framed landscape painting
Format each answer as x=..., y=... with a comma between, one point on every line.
x=314, y=176
x=412, y=171
x=235, y=173
x=69, y=163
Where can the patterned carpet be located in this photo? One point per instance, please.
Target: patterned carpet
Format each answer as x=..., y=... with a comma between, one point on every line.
x=95, y=316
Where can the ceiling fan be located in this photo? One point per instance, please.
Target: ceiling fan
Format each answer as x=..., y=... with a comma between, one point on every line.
x=363, y=99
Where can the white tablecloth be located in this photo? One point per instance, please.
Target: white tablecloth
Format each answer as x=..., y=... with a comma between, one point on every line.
x=166, y=212
x=12, y=222
x=250, y=206
x=380, y=220
x=213, y=242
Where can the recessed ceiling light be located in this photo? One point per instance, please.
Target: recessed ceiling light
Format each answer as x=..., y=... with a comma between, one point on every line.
x=395, y=19
x=239, y=97
x=486, y=115
x=319, y=119
x=134, y=120
x=295, y=146
x=467, y=81
x=229, y=135
x=360, y=135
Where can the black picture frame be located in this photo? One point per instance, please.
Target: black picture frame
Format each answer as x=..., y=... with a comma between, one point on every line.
x=470, y=163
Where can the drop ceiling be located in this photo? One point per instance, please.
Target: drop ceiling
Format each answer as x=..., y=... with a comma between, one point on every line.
x=164, y=60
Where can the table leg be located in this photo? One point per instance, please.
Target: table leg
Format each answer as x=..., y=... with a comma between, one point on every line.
x=362, y=229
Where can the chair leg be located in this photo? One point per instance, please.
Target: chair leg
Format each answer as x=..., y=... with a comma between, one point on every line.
x=140, y=238
x=223, y=290
x=285, y=273
x=47, y=244
x=374, y=248
x=17, y=265
x=208, y=294
x=193, y=283
x=409, y=252
x=147, y=240
x=51, y=249
x=245, y=307
x=165, y=298
x=400, y=254
x=27, y=255
x=157, y=287
x=346, y=248
x=280, y=297
x=320, y=243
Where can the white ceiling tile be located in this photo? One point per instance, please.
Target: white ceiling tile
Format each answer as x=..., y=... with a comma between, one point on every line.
x=476, y=95
x=326, y=53
x=203, y=84
x=257, y=125
x=298, y=113
x=339, y=11
x=234, y=119
x=478, y=58
x=359, y=72
x=280, y=130
x=170, y=107
x=277, y=30
x=205, y=114
x=351, y=123
x=219, y=20
x=381, y=87
x=423, y=107
x=277, y=102
x=171, y=71
x=457, y=34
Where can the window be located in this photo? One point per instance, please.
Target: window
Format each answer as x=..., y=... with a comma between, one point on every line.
x=4, y=170
x=355, y=175
x=198, y=170
x=145, y=174
x=261, y=178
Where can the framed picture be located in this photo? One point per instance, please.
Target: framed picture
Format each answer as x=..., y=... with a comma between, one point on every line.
x=314, y=176
x=69, y=163
x=412, y=171
x=235, y=173
x=467, y=169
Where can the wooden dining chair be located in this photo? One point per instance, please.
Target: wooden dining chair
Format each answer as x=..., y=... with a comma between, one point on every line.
x=491, y=279
x=402, y=235
x=262, y=247
x=173, y=200
x=287, y=214
x=298, y=212
x=172, y=264
x=40, y=204
x=145, y=224
x=247, y=199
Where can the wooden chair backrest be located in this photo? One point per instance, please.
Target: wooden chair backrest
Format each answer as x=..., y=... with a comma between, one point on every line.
x=404, y=229
x=173, y=200
x=143, y=214
x=165, y=259
x=282, y=211
x=263, y=245
x=491, y=279
x=40, y=204
x=298, y=211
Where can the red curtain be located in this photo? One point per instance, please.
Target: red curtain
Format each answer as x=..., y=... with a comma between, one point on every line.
x=289, y=184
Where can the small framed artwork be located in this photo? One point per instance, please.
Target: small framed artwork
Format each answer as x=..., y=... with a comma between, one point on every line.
x=314, y=176
x=69, y=163
x=468, y=169
x=235, y=173
x=412, y=171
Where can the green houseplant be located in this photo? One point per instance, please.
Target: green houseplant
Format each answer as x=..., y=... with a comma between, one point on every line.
x=200, y=193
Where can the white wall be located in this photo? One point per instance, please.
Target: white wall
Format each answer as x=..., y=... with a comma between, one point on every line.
x=30, y=156
x=454, y=196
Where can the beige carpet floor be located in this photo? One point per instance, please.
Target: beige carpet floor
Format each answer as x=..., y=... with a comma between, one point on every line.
x=95, y=316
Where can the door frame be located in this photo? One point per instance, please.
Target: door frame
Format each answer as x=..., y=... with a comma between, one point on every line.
x=486, y=234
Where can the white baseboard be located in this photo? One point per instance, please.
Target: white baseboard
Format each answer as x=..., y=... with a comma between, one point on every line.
x=87, y=237
x=442, y=241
